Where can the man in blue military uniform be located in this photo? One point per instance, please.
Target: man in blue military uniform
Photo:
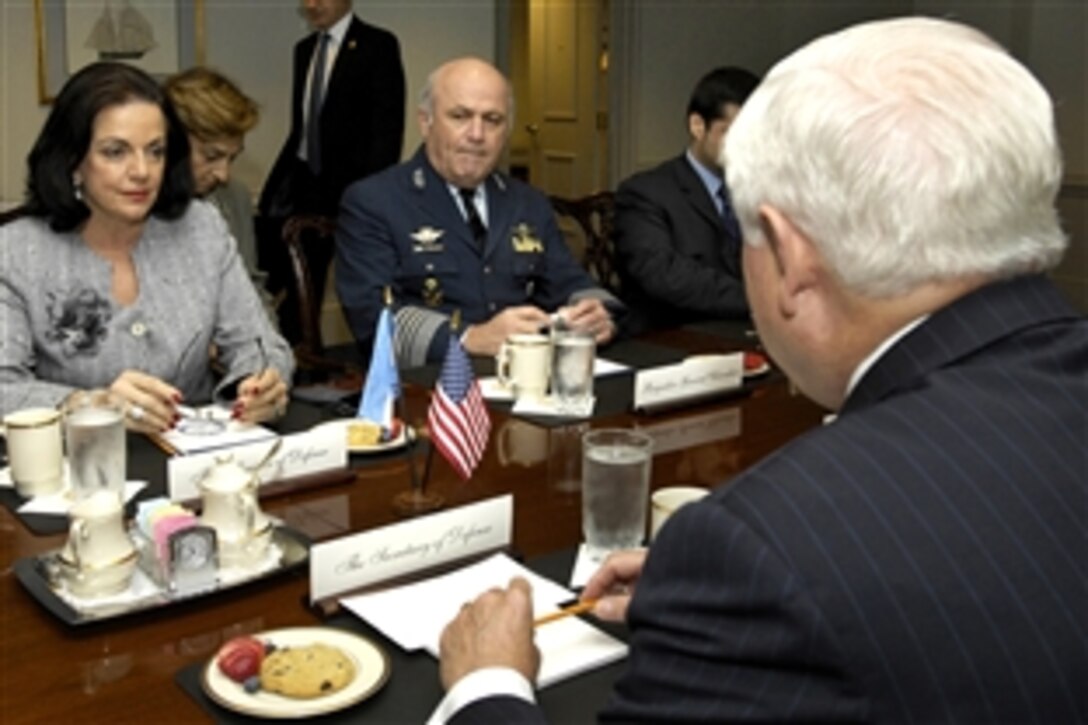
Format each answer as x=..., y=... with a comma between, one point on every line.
x=447, y=232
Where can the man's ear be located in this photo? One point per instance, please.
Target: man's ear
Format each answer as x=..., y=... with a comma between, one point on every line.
x=696, y=126
x=424, y=119
x=795, y=257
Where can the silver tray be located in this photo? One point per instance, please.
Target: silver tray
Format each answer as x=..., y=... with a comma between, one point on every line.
x=39, y=576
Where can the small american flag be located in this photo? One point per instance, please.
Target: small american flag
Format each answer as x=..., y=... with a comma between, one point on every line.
x=458, y=417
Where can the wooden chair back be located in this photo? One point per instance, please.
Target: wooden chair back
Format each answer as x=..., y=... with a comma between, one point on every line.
x=593, y=216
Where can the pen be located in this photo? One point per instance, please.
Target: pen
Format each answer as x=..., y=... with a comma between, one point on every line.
x=573, y=609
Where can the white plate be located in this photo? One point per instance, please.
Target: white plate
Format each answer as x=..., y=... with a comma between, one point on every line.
x=371, y=672
x=756, y=372
x=399, y=442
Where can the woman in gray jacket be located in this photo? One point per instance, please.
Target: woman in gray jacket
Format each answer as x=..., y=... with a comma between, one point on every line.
x=114, y=277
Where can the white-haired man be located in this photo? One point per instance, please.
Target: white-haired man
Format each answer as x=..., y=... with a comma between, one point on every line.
x=920, y=558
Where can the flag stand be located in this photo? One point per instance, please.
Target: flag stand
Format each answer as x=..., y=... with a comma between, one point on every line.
x=417, y=500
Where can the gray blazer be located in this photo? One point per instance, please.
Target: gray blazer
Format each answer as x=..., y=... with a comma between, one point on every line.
x=62, y=330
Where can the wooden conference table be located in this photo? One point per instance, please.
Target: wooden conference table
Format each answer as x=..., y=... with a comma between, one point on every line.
x=128, y=670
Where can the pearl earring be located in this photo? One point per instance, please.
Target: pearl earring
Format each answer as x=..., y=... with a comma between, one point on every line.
x=78, y=188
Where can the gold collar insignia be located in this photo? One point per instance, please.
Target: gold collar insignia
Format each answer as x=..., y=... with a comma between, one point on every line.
x=524, y=241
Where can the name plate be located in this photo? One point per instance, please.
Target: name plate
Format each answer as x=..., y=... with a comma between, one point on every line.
x=299, y=454
x=696, y=377
x=356, y=561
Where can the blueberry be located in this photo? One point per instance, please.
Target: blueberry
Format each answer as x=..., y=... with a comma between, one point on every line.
x=252, y=685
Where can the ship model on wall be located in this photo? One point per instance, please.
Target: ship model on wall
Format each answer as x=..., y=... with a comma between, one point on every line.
x=121, y=35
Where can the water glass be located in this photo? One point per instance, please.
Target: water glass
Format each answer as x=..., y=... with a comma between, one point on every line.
x=616, y=465
x=572, y=369
x=94, y=427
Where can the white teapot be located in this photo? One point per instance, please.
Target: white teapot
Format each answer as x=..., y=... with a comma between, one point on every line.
x=230, y=506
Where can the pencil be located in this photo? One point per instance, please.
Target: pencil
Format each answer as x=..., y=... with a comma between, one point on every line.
x=162, y=445
x=579, y=608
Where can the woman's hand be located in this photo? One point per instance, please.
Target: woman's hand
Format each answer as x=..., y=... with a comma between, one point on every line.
x=261, y=397
x=149, y=402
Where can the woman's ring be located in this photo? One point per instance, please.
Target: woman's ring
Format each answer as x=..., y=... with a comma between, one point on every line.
x=136, y=412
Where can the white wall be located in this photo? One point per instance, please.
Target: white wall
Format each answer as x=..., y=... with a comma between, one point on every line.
x=658, y=70
x=251, y=41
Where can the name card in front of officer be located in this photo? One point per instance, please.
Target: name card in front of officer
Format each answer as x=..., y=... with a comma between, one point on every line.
x=696, y=377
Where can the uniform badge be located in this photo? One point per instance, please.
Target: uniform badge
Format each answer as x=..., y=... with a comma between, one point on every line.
x=432, y=292
x=418, y=179
x=524, y=241
x=426, y=240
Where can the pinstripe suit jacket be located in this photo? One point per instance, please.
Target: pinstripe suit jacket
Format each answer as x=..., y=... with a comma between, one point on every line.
x=921, y=559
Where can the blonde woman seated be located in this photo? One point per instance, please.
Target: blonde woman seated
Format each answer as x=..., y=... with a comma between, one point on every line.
x=115, y=278
x=217, y=116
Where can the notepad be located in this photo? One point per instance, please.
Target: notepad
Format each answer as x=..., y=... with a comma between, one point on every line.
x=211, y=427
x=414, y=616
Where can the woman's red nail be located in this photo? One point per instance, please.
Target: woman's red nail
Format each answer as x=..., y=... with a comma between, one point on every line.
x=177, y=397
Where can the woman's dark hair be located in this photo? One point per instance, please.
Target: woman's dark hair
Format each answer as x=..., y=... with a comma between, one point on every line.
x=66, y=137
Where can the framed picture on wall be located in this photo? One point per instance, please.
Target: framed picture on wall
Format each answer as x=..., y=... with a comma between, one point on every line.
x=158, y=36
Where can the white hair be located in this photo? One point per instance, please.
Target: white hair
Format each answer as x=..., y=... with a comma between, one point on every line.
x=909, y=151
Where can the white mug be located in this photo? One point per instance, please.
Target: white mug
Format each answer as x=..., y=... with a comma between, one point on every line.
x=35, y=450
x=524, y=364
x=666, y=501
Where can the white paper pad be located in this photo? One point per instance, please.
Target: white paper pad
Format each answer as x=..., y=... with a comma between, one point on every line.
x=233, y=433
x=58, y=503
x=414, y=616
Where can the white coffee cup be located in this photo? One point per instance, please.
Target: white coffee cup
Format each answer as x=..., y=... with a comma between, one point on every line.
x=524, y=364
x=35, y=450
x=666, y=501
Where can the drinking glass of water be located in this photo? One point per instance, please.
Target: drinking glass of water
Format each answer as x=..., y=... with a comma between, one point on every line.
x=572, y=370
x=94, y=429
x=616, y=465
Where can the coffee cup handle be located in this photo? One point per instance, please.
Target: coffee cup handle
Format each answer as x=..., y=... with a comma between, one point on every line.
x=502, y=364
x=77, y=534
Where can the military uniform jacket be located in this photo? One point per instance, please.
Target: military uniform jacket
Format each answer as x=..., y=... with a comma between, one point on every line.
x=402, y=228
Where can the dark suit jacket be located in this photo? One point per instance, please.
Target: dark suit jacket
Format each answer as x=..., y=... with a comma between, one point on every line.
x=676, y=261
x=362, y=121
x=921, y=559
x=403, y=228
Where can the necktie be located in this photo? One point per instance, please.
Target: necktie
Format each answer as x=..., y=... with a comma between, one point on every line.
x=732, y=227
x=317, y=95
x=472, y=216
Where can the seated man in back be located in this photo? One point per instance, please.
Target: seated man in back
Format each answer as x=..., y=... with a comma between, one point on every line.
x=677, y=240
x=447, y=232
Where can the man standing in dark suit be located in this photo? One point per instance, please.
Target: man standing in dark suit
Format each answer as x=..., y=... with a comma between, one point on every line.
x=922, y=557
x=447, y=231
x=347, y=125
x=677, y=239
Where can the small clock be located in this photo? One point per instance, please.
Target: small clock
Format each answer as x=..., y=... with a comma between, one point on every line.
x=194, y=560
